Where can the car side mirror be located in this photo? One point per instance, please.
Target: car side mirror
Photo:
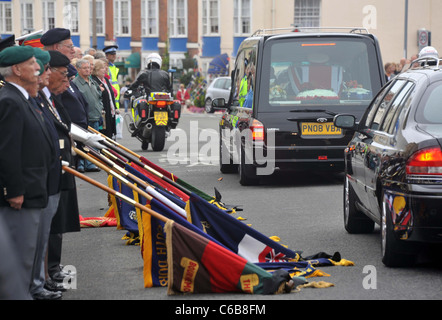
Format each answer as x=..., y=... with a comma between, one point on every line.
x=219, y=103
x=345, y=121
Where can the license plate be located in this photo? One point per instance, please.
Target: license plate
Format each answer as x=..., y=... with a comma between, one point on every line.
x=160, y=116
x=319, y=129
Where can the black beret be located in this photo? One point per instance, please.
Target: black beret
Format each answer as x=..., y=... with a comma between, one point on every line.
x=58, y=59
x=71, y=71
x=55, y=35
x=7, y=42
x=15, y=55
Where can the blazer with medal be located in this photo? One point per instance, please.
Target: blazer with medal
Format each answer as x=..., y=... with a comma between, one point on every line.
x=62, y=123
x=26, y=150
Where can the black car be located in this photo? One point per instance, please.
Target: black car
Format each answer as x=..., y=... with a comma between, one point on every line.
x=394, y=165
x=286, y=89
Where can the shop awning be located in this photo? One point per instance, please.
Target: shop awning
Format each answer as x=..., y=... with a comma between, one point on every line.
x=133, y=61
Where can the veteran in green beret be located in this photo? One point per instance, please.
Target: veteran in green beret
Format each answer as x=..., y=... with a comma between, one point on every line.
x=26, y=154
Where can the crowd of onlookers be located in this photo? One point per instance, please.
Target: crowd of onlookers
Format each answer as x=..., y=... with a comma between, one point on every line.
x=392, y=69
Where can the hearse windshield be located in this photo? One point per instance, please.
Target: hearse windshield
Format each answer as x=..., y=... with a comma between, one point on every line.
x=322, y=71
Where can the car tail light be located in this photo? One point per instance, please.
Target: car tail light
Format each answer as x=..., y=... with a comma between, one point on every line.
x=425, y=162
x=257, y=130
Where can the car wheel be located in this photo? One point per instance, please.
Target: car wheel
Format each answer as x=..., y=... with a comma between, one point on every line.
x=208, y=106
x=229, y=167
x=395, y=252
x=354, y=221
x=247, y=172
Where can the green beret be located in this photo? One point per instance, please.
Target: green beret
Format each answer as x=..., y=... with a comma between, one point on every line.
x=41, y=55
x=42, y=67
x=43, y=58
x=15, y=55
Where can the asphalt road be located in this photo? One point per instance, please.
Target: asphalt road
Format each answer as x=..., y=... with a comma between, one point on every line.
x=304, y=210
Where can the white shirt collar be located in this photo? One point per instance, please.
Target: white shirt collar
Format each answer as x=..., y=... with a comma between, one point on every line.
x=21, y=89
x=47, y=92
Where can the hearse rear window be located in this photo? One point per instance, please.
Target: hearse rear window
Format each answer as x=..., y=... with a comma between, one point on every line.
x=305, y=71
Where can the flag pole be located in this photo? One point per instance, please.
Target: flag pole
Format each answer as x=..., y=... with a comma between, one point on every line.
x=149, y=192
x=113, y=165
x=114, y=142
x=116, y=194
x=134, y=159
x=113, y=173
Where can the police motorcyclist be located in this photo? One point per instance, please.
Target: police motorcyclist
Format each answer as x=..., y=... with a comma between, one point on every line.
x=153, y=78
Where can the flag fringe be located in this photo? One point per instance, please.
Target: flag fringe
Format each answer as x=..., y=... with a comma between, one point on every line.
x=315, y=284
x=169, y=248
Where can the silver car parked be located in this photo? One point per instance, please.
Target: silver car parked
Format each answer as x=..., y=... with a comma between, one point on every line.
x=218, y=88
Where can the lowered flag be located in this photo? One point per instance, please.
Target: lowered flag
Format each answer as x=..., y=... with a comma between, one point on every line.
x=153, y=246
x=237, y=236
x=198, y=265
x=174, y=178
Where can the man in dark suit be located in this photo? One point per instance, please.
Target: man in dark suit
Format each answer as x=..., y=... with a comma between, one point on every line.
x=67, y=217
x=26, y=153
x=38, y=290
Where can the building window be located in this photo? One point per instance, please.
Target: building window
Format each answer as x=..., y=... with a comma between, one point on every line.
x=70, y=16
x=121, y=17
x=99, y=17
x=242, y=17
x=149, y=18
x=210, y=17
x=307, y=13
x=177, y=18
x=48, y=13
x=27, y=16
x=5, y=17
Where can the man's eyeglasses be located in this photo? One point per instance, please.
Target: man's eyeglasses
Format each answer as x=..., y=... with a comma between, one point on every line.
x=70, y=46
x=64, y=73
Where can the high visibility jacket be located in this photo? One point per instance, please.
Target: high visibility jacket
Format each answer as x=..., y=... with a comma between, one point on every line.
x=113, y=74
x=242, y=91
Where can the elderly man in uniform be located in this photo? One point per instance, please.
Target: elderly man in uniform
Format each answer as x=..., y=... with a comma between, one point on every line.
x=26, y=155
x=111, y=56
x=11, y=275
x=38, y=290
x=59, y=39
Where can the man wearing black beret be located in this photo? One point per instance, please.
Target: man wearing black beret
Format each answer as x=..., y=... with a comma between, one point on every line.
x=6, y=43
x=38, y=286
x=59, y=39
x=26, y=153
x=67, y=217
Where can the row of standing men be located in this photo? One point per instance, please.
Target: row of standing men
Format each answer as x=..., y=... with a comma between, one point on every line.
x=42, y=113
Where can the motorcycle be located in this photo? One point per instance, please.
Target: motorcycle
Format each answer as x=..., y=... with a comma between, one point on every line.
x=151, y=118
